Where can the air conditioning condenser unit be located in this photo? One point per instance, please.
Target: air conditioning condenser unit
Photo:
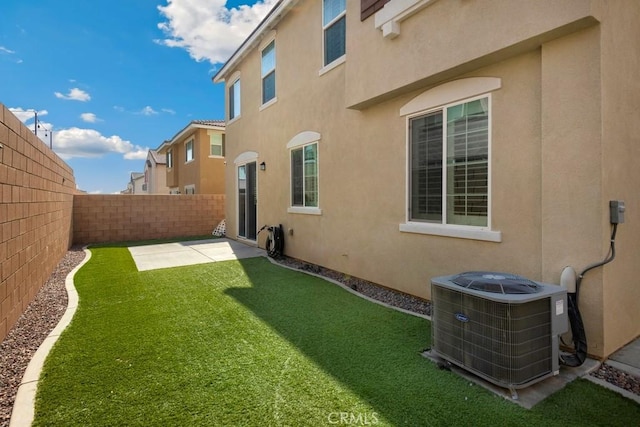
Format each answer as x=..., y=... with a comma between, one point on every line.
x=501, y=327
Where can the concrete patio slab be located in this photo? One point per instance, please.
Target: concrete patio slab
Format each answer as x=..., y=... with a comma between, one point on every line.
x=628, y=355
x=168, y=255
x=526, y=397
x=158, y=249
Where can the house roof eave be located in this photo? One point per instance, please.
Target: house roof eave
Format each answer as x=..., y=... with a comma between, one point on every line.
x=196, y=124
x=274, y=16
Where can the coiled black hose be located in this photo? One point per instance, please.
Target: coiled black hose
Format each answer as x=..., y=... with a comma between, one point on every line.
x=274, y=244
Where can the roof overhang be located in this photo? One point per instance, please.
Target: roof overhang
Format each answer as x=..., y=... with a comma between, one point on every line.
x=188, y=129
x=274, y=16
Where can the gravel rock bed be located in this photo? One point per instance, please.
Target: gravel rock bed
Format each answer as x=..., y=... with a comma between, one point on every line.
x=618, y=378
x=35, y=324
x=44, y=312
x=377, y=292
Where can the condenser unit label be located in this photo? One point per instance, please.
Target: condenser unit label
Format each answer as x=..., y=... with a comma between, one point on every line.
x=462, y=317
x=559, y=307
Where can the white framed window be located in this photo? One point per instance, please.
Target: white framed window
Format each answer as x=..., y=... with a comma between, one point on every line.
x=234, y=99
x=216, y=145
x=449, y=164
x=305, y=182
x=268, y=72
x=189, y=154
x=334, y=23
x=169, y=159
x=304, y=176
x=190, y=189
x=449, y=160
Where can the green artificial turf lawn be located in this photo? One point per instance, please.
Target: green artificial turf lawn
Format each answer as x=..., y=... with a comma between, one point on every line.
x=250, y=343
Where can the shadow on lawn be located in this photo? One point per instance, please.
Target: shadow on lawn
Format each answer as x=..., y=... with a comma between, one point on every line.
x=372, y=350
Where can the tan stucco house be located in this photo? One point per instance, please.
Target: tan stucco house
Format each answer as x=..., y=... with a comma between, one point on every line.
x=195, y=158
x=155, y=173
x=136, y=183
x=405, y=139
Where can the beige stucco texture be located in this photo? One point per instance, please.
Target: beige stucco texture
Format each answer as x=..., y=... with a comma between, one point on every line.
x=563, y=143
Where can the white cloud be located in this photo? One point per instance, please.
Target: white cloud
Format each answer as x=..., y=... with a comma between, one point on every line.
x=138, y=154
x=168, y=111
x=89, y=118
x=5, y=50
x=207, y=29
x=76, y=142
x=148, y=111
x=25, y=115
x=74, y=94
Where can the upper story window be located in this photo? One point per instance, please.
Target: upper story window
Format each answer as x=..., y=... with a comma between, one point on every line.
x=169, y=159
x=216, y=144
x=334, y=29
x=189, y=154
x=234, y=100
x=268, y=69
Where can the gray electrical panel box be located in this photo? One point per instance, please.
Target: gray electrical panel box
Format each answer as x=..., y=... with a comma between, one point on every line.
x=616, y=208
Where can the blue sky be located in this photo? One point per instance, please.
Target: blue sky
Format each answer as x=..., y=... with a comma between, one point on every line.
x=115, y=78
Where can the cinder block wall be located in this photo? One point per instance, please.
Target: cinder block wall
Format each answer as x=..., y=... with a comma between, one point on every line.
x=36, y=199
x=124, y=217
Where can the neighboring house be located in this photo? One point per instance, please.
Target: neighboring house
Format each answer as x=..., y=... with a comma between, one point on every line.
x=409, y=139
x=136, y=184
x=195, y=158
x=155, y=173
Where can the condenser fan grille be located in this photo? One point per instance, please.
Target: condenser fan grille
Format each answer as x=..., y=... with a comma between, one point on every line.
x=509, y=344
x=502, y=327
x=495, y=282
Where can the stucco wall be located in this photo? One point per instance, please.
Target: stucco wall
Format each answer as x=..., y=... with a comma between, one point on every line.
x=554, y=156
x=117, y=218
x=206, y=172
x=36, y=189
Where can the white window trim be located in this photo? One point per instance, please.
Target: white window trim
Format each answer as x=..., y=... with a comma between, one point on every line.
x=334, y=64
x=169, y=155
x=268, y=104
x=454, y=92
x=190, y=187
x=304, y=210
x=235, y=77
x=340, y=60
x=388, y=18
x=300, y=140
x=193, y=151
x=457, y=231
x=214, y=156
x=263, y=46
x=246, y=157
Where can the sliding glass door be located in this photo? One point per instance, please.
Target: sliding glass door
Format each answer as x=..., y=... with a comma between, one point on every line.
x=247, y=201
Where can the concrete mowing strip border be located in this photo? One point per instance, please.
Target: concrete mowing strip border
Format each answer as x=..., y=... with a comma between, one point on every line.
x=347, y=288
x=612, y=387
x=24, y=406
